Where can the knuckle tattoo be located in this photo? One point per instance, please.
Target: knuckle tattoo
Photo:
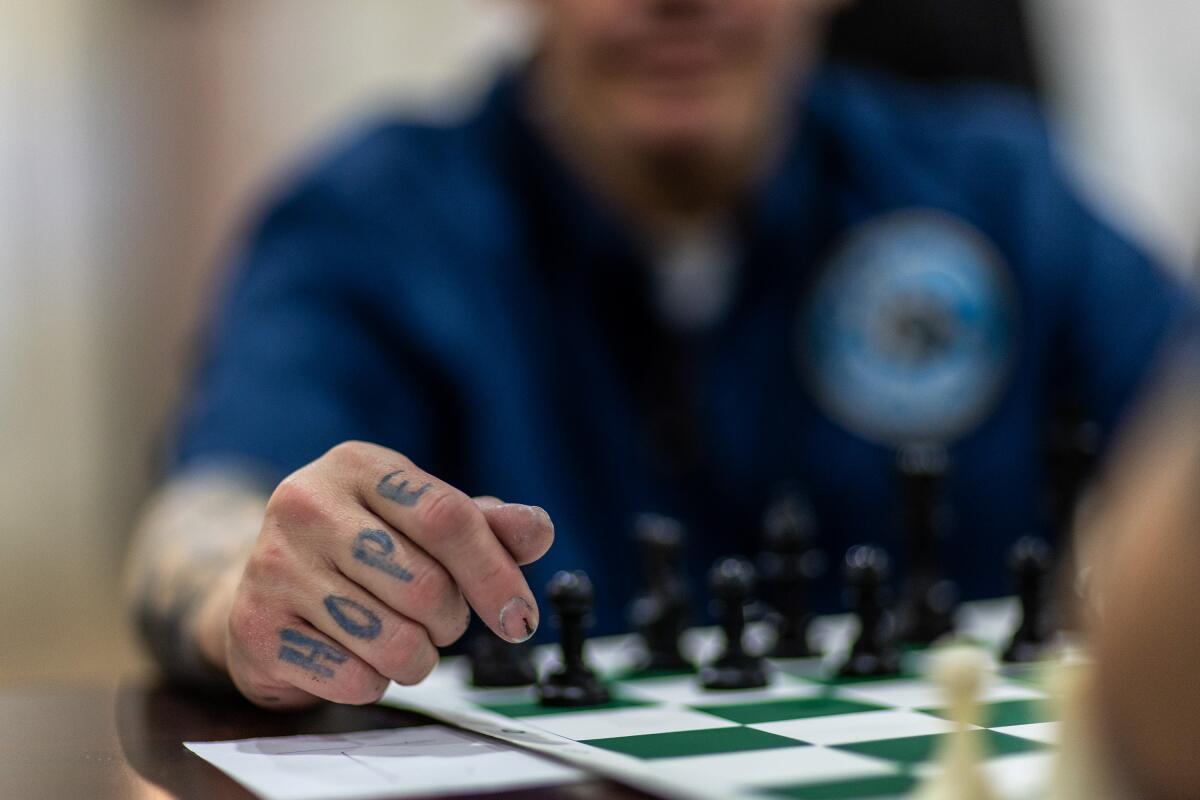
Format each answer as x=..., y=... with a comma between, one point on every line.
x=354, y=618
x=376, y=548
x=399, y=489
x=309, y=654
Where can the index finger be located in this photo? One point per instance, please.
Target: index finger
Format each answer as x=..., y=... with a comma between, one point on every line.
x=448, y=525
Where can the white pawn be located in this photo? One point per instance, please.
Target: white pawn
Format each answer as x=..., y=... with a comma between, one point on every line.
x=959, y=775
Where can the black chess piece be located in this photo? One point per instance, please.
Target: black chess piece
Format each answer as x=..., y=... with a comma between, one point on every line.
x=874, y=653
x=731, y=582
x=1030, y=562
x=789, y=563
x=1072, y=453
x=496, y=663
x=928, y=598
x=572, y=683
x=1072, y=449
x=659, y=613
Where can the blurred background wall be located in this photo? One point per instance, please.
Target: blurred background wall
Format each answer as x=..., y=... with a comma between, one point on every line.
x=1124, y=80
x=134, y=134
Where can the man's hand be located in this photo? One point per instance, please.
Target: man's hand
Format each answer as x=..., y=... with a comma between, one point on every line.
x=364, y=566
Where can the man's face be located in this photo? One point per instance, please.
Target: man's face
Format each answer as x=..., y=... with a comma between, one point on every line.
x=676, y=75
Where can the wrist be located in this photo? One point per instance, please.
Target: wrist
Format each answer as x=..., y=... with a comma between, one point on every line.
x=210, y=626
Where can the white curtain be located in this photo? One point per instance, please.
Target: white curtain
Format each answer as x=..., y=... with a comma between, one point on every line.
x=1126, y=81
x=133, y=137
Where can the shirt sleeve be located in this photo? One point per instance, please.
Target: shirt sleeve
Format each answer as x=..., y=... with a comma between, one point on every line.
x=299, y=355
x=1121, y=311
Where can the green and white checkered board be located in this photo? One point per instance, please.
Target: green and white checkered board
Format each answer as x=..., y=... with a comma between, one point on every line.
x=804, y=736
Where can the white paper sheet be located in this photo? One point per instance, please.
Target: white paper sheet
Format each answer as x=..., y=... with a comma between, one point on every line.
x=397, y=762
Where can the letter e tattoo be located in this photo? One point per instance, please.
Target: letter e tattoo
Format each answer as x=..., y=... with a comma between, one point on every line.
x=399, y=492
x=375, y=548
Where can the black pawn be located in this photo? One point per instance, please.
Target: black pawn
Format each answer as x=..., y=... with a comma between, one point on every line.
x=1072, y=454
x=1030, y=562
x=731, y=582
x=659, y=612
x=573, y=683
x=874, y=653
x=928, y=599
x=496, y=663
x=789, y=563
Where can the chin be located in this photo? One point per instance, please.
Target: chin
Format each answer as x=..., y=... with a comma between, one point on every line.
x=682, y=127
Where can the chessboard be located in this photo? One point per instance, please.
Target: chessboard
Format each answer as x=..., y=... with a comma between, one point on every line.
x=808, y=734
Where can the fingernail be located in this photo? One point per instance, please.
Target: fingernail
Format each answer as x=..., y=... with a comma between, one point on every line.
x=536, y=511
x=487, y=501
x=518, y=620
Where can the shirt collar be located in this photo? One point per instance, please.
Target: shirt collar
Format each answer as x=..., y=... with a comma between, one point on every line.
x=779, y=214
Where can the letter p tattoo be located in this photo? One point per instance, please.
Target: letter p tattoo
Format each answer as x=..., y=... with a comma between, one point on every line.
x=375, y=548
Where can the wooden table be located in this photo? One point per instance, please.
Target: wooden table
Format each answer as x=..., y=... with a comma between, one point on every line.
x=125, y=742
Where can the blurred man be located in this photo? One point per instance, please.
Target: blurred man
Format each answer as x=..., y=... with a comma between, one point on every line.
x=669, y=264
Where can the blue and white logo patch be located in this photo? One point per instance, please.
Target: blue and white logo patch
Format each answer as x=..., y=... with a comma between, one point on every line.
x=908, y=334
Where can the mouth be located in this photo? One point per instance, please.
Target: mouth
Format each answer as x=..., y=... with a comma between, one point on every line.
x=677, y=56
x=676, y=50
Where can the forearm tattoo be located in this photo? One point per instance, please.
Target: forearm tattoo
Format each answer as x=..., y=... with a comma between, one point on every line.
x=399, y=491
x=377, y=548
x=354, y=618
x=309, y=654
x=190, y=535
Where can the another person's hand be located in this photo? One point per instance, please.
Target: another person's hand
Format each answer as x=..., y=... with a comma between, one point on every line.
x=364, y=566
x=1145, y=631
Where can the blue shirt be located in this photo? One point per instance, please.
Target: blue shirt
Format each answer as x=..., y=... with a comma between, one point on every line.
x=454, y=293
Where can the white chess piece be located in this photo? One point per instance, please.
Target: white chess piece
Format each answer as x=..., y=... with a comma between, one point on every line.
x=959, y=775
x=1079, y=772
